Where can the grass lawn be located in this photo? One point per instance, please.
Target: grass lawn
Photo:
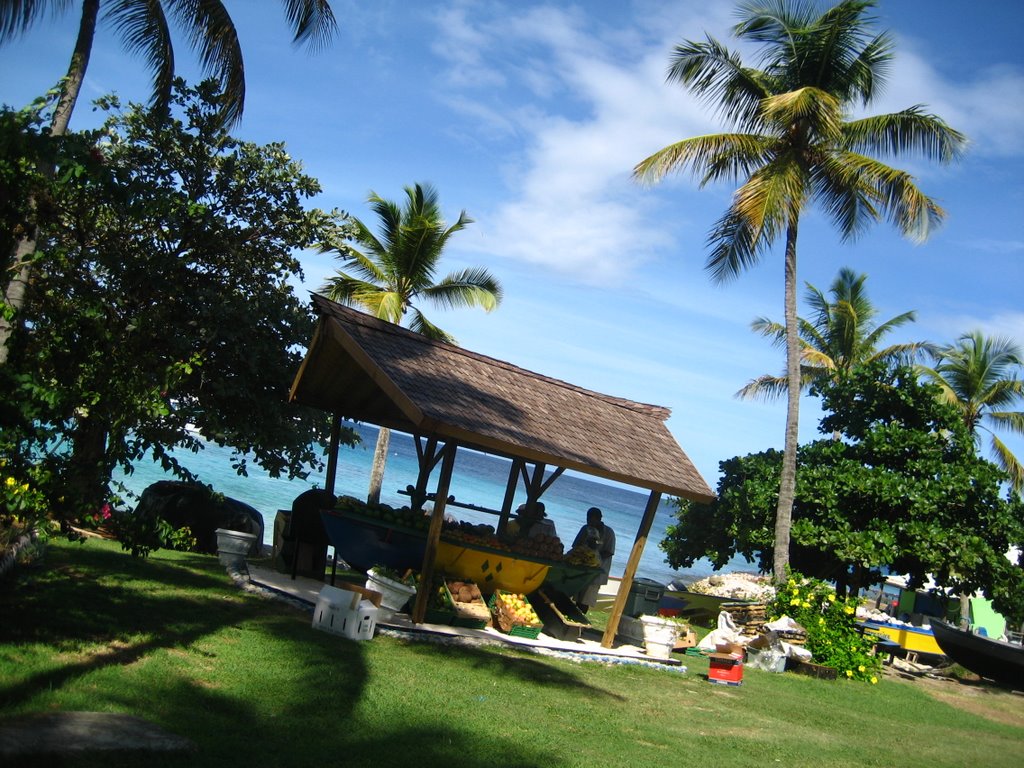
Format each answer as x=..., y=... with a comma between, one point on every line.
x=171, y=639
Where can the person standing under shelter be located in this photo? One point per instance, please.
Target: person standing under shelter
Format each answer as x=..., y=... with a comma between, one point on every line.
x=600, y=538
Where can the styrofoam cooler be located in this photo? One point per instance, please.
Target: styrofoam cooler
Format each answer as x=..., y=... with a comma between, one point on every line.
x=345, y=613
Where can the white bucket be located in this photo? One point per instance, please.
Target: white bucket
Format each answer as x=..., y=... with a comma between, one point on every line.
x=394, y=594
x=660, y=635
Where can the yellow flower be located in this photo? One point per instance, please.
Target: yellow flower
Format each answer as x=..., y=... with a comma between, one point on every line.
x=831, y=597
x=11, y=482
x=874, y=679
x=860, y=668
x=849, y=673
x=794, y=601
x=847, y=610
x=821, y=619
x=805, y=604
x=796, y=593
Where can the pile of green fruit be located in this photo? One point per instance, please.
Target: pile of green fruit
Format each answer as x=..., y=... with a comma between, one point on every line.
x=405, y=517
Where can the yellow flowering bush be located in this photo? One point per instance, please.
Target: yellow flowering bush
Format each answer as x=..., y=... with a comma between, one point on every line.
x=830, y=621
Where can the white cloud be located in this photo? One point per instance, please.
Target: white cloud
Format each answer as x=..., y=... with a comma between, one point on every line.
x=988, y=107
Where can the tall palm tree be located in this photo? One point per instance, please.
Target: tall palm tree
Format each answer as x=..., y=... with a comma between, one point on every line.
x=796, y=144
x=978, y=374
x=389, y=271
x=144, y=30
x=840, y=335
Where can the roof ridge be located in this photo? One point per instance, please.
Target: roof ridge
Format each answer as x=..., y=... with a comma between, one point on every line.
x=370, y=321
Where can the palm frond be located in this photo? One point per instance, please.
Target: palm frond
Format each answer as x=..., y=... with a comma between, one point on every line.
x=312, y=21
x=764, y=387
x=844, y=194
x=211, y=34
x=907, y=132
x=17, y=16
x=144, y=31
x=1009, y=463
x=734, y=247
x=1012, y=421
x=474, y=287
x=420, y=324
x=718, y=77
x=770, y=329
x=772, y=197
x=711, y=157
x=819, y=110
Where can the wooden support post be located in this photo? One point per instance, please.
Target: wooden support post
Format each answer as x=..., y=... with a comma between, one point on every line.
x=631, y=565
x=427, y=460
x=434, y=532
x=332, y=454
x=510, y=494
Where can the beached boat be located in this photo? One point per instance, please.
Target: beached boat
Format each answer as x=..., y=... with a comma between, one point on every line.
x=910, y=638
x=985, y=656
x=691, y=605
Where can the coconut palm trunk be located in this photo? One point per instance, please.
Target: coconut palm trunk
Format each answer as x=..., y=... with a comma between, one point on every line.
x=787, y=481
x=380, y=460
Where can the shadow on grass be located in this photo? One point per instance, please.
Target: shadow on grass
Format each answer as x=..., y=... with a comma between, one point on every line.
x=101, y=608
x=297, y=703
x=515, y=664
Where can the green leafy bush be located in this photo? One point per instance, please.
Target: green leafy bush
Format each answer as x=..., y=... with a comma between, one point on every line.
x=830, y=621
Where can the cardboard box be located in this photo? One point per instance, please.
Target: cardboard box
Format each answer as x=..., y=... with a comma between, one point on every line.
x=351, y=613
x=730, y=649
x=724, y=669
x=687, y=639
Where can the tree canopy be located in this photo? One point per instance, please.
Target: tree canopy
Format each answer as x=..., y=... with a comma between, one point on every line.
x=903, y=488
x=163, y=302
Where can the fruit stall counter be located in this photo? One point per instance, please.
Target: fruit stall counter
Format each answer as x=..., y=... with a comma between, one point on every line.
x=367, y=535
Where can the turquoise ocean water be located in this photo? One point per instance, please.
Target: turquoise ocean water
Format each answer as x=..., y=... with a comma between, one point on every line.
x=478, y=479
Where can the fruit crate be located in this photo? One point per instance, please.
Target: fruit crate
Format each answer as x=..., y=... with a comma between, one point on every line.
x=509, y=623
x=471, y=615
x=440, y=608
x=561, y=618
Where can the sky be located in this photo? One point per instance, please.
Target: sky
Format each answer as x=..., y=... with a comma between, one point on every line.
x=530, y=117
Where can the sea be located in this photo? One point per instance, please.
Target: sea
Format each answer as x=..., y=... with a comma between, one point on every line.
x=478, y=479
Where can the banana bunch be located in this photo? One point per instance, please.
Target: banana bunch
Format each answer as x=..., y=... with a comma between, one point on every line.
x=581, y=555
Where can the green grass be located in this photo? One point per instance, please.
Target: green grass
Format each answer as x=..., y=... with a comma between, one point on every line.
x=172, y=640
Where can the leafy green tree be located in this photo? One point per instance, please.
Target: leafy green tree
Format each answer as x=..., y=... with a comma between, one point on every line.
x=145, y=30
x=164, y=301
x=904, y=488
x=978, y=375
x=796, y=144
x=388, y=272
x=840, y=335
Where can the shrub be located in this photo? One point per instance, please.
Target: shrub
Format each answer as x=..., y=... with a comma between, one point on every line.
x=830, y=621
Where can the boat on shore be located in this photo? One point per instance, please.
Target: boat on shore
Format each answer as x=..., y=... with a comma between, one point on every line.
x=910, y=638
x=995, y=659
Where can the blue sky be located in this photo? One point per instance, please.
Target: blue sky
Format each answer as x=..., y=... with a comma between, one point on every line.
x=530, y=116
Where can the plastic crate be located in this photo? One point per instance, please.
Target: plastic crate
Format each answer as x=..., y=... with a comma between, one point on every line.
x=508, y=624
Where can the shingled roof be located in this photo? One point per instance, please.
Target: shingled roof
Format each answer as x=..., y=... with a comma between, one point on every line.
x=369, y=370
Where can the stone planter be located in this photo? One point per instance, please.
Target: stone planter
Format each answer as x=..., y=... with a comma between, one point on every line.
x=660, y=635
x=233, y=546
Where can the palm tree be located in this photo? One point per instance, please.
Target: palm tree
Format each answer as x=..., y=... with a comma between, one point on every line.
x=796, y=144
x=388, y=272
x=978, y=375
x=144, y=29
x=839, y=336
